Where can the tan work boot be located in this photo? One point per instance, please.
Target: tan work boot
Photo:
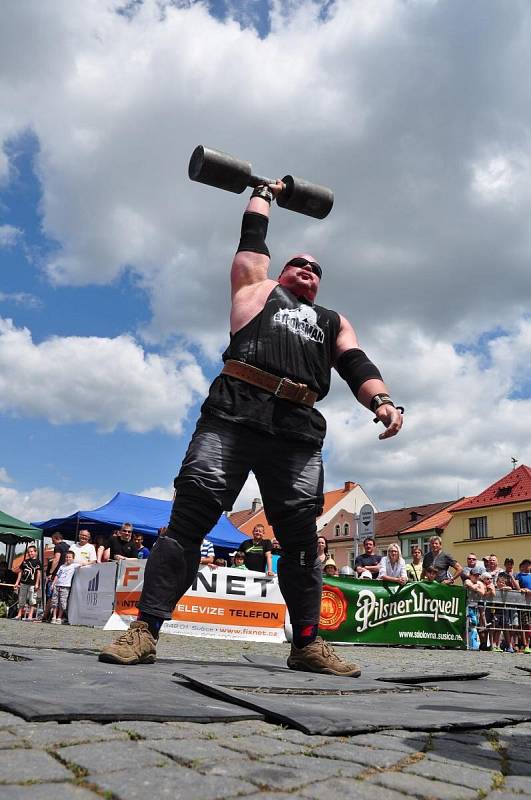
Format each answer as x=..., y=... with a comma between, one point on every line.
x=135, y=646
x=320, y=657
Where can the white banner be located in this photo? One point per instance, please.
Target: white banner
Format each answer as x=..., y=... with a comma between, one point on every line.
x=222, y=603
x=91, y=599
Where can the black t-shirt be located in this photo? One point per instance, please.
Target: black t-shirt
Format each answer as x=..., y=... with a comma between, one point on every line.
x=120, y=548
x=255, y=557
x=441, y=562
x=365, y=560
x=28, y=571
x=290, y=338
x=63, y=548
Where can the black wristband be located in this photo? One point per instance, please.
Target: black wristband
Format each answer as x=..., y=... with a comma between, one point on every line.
x=264, y=192
x=254, y=231
x=355, y=368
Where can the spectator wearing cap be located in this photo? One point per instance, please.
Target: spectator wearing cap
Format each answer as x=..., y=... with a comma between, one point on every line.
x=330, y=568
x=393, y=566
x=441, y=561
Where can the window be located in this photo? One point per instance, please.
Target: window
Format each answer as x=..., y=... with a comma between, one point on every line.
x=522, y=522
x=337, y=530
x=351, y=559
x=478, y=527
x=346, y=529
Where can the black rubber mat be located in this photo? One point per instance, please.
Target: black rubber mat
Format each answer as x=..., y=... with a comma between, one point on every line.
x=436, y=677
x=425, y=677
x=42, y=685
x=266, y=677
x=525, y=669
x=337, y=713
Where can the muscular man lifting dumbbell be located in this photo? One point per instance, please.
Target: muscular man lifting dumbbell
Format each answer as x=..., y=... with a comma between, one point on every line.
x=259, y=415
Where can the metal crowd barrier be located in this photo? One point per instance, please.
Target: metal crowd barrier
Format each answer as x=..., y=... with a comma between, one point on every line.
x=509, y=610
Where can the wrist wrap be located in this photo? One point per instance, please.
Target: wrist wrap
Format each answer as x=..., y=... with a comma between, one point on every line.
x=355, y=368
x=253, y=234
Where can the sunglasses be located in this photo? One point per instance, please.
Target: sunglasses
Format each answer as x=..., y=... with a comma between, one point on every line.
x=303, y=262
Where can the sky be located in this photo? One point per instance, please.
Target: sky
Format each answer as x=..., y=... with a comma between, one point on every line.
x=114, y=292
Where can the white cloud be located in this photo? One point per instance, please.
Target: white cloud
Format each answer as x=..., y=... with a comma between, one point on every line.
x=424, y=140
x=9, y=235
x=108, y=382
x=461, y=426
x=4, y=476
x=37, y=505
x=21, y=299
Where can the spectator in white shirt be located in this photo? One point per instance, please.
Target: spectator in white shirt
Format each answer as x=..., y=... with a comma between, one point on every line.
x=84, y=552
x=393, y=566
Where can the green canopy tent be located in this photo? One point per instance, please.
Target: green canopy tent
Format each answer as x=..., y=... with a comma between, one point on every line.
x=13, y=531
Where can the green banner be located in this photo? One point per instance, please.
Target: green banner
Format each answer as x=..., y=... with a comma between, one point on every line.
x=376, y=612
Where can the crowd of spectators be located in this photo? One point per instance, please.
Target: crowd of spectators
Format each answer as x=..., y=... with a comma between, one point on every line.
x=66, y=558
x=495, y=622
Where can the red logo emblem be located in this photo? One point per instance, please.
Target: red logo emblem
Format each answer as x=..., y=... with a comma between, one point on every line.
x=333, y=608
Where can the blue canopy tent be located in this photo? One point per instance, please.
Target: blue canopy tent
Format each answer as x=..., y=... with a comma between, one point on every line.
x=146, y=514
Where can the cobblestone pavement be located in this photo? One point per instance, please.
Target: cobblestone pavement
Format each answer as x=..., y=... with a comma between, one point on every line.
x=254, y=759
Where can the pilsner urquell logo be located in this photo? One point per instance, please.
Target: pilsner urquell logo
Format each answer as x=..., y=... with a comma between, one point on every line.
x=333, y=608
x=372, y=611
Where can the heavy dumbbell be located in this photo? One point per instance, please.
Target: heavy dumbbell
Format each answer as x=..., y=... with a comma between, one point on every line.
x=234, y=175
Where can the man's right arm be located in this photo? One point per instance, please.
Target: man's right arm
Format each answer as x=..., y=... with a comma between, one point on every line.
x=251, y=261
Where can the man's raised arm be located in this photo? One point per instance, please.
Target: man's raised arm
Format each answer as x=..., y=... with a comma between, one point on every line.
x=365, y=380
x=251, y=261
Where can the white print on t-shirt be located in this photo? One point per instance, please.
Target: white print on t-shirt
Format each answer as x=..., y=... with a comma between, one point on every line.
x=301, y=320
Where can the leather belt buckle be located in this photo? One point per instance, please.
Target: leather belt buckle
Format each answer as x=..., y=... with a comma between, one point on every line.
x=280, y=386
x=296, y=392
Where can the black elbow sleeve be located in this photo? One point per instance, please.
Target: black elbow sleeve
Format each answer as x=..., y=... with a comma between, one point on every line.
x=355, y=368
x=254, y=232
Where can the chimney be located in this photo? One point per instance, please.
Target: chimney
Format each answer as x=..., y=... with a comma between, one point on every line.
x=256, y=505
x=349, y=485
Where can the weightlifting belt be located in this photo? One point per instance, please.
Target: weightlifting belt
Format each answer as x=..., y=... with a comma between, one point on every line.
x=280, y=387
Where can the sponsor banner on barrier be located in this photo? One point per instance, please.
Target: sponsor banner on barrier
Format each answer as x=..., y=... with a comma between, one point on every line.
x=222, y=603
x=91, y=598
x=375, y=612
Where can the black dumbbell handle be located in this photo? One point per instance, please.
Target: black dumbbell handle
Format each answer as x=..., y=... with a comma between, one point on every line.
x=257, y=180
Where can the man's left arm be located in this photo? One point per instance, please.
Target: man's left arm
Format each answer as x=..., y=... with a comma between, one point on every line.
x=458, y=569
x=365, y=380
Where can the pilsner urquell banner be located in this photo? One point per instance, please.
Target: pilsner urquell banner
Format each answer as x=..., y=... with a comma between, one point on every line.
x=375, y=612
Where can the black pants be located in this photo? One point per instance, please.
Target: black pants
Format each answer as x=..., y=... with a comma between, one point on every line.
x=217, y=463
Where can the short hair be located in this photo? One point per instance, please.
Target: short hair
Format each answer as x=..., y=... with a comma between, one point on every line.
x=56, y=533
x=369, y=539
x=435, y=539
x=70, y=553
x=239, y=554
x=32, y=547
x=431, y=568
x=129, y=525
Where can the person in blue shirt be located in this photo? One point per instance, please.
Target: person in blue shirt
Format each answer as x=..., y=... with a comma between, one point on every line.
x=141, y=551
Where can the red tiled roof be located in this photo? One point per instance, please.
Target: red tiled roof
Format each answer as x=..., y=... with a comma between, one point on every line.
x=330, y=500
x=515, y=487
x=438, y=520
x=388, y=523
